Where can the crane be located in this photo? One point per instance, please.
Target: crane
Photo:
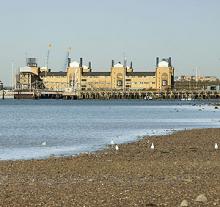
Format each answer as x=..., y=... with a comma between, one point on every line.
x=48, y=55
x=67, y=58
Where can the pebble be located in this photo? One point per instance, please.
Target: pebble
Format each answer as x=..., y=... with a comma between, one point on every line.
x=201, y=198
x=184, y=203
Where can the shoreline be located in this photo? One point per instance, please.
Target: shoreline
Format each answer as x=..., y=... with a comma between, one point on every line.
x=182, y=166
x=161, y=133
x=32, y=148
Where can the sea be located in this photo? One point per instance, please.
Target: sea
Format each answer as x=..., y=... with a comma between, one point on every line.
x=38, y=129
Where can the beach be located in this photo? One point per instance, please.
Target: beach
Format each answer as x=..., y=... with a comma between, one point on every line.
x=182, y=166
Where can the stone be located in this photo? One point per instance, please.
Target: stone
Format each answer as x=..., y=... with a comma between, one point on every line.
x=184, y=203
x=201, y=198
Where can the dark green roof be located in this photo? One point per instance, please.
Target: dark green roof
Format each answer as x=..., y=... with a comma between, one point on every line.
x=140, y=74
x=96, y=74
x=53, y=74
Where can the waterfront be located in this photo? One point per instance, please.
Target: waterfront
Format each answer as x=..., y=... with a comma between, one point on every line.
x=73, y=127
x=182, y=167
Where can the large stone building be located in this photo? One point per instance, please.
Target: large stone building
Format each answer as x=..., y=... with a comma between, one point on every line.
x=79, y=77
x=1, y=85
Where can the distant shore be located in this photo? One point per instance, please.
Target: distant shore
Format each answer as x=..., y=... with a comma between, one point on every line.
x=182, y=166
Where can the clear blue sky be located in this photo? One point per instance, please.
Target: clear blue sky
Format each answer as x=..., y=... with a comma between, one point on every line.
x=102, y=30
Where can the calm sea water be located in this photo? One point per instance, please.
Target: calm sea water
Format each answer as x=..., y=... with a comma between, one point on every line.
x=71, y=127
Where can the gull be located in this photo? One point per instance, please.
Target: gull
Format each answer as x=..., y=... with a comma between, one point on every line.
x=112, y=142
x=44, y=143
x=216, y=146
x=116, y=147
x=152, y=146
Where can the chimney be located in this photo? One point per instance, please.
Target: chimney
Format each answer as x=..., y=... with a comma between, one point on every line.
x=169, y=62
x=131, y=65
x=90, y=65
x=81, y=63
x=157, y=61
x=69, y=61
x=113, y=63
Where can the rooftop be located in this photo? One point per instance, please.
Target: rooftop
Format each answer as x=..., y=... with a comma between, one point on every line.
x=96, y=74
x=163, y=63
x=140, y=74
x=53, y=73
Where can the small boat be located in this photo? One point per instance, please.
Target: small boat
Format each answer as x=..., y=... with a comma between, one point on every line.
x=186, y=99
x=148, y=98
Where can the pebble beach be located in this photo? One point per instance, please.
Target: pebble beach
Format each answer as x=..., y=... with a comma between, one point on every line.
x=182, y=170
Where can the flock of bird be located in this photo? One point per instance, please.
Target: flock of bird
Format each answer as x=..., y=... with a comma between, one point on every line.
x=117, y=147
x=152, y=147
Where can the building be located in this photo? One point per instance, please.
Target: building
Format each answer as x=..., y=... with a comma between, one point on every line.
x=186, y=82
x=197, y=78
x=28, y=76
x=79, y=77
x=1, y=85
x=213, y=88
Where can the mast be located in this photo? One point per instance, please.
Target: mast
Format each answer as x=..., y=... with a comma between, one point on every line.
x=12, y=76
x=196, y=76
x=125, y=70
x=72, y=83
x=48, y=55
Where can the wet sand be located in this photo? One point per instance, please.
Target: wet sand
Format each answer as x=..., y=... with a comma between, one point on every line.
x=182, y=166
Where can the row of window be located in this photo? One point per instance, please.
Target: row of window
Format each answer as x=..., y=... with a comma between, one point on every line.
x=92, y=83
x=140, y=76
x=128, y=78
x=95, y=77
x=58, y=77
x=135, y=83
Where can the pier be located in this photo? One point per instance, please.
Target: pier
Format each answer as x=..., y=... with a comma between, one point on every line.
x=111, y=94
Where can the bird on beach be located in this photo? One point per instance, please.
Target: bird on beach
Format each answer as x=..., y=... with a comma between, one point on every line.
x=152, y=146
x=216, y=146
x=112, y=142
x=44, y=143
x=116, y=147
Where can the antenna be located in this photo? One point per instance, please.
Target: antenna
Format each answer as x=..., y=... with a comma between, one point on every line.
x=26, y=57
x=12, y=75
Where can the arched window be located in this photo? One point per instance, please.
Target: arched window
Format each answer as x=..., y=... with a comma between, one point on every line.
x=119, y=76
x=164, y=79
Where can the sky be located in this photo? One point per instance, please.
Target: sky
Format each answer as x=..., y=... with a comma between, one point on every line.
x=102, y=30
